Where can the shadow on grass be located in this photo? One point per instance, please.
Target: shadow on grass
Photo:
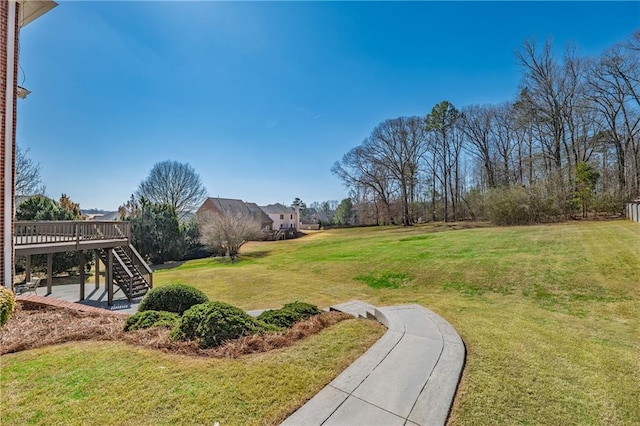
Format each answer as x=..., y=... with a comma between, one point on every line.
x=169, y=265
x=213, y=261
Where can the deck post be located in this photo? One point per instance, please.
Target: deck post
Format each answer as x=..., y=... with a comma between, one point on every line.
x=95, y=253
x=49, y=273
x=109, y=281
x=27, y=268
x=82, y=275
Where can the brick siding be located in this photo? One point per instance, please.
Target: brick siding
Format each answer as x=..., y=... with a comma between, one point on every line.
x=4, y=6
x=4, y=26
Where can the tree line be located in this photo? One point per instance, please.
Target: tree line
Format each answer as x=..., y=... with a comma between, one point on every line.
x=567, y=145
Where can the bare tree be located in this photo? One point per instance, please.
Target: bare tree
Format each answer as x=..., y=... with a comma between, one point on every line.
x=358, y=168
x=614, y=80
x=173, y=183
x=446, y=147
x=226, y=233
x=28, y=179
x=571, y=113
x=398, y=146
x=476, y=125
x=545, y=85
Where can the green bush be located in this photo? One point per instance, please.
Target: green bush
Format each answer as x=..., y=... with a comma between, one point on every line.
x=172, y=298
x=304, y=309
x=7, y=305
x=279, y=317
x=148, y=319
x=212, y=323
x=289, y=314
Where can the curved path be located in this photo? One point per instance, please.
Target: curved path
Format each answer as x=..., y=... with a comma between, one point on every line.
x=408, y=377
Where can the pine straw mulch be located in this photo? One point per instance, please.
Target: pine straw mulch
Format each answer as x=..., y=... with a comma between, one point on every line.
x=34, y=327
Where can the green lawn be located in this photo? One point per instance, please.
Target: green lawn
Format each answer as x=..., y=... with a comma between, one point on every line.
x=114, y=383
x=550, y=314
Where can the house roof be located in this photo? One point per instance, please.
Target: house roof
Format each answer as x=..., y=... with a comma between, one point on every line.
x=104, y=216
x=32, y=10
x=277, y=208
x=233, y=206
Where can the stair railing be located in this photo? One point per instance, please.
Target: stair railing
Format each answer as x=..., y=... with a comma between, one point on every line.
x=127, y=271
x=141, y=265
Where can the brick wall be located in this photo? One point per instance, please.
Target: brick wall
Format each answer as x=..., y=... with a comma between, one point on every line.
x=3, y=72
x=6, y=127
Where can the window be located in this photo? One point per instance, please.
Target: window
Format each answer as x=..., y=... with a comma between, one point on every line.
x=291, y=217
x=281, y=217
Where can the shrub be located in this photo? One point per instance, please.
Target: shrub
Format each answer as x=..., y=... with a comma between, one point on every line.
x=211, y=323
x=172, y=298
x=7, y=305
x=148, y=319
x=304, y=309
x=279, y=317
x=516, y=205
x=289, y=314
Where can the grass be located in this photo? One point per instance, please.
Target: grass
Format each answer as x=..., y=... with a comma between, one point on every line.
x=550, y=314
x=115, y=383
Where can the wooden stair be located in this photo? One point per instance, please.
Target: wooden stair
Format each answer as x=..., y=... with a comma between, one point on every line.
x=129, y=270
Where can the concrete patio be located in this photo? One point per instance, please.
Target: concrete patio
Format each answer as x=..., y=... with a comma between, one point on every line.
x=96, y=297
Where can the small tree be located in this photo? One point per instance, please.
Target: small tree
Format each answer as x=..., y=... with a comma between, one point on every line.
x=586, y=179
x=344, y=213
x=226, y=233
x=297, y=202
x=156, y=232
x=28, y=179
x=173, y=183
x=70, y=206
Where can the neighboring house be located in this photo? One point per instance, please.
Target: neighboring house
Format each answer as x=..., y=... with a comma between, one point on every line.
x=315, y=218
x=232, y=206
x=283, y=217
x=106, y=216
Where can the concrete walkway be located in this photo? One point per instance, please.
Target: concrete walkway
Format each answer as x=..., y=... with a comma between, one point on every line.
x=408, y=377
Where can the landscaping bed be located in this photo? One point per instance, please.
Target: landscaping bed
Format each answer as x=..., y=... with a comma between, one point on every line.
x=33, y=327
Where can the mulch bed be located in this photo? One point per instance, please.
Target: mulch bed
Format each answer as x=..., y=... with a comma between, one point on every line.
x=35, y=326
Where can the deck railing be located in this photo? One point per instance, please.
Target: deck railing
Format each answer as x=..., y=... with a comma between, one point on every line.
x=61, y=231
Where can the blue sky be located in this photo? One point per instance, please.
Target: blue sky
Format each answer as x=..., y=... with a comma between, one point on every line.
x=261, y=98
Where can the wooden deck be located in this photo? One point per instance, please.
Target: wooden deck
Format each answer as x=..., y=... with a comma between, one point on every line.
x=31, y=237
x=110, y=239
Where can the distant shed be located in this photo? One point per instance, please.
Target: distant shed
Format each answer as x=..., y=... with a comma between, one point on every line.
x=633, y=210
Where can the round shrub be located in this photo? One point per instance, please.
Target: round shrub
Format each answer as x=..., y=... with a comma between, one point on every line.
x=305, y=310
x=172, y=298
x=280, y=317
x=211, y=323
x=7, y=305
x=187, y=328
x=148, y=319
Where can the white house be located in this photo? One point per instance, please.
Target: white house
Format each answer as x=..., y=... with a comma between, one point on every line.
x=283, y=217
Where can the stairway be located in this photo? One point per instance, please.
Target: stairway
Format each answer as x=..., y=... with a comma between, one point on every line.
x=129, y=270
